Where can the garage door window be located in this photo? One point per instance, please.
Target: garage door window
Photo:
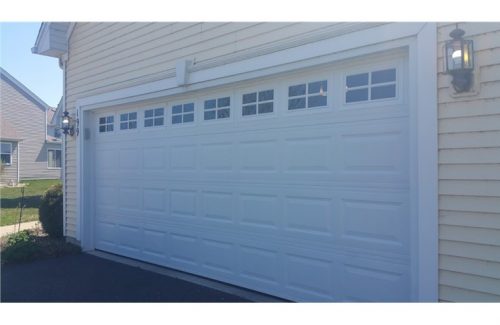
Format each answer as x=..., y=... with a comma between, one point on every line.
x=308, y=95
x=183, y=113
x=366, y=86
x=128, y=121
x=217, y=108
x=154, y=117
x=261, y=102
x=106, y=124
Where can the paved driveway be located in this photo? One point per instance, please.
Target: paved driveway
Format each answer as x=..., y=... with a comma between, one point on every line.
x=87, y=278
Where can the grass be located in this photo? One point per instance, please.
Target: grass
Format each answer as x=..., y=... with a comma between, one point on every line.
x=11, y=199
x=30, y=245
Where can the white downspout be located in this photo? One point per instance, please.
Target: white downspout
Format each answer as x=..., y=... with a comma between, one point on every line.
x=18, y=160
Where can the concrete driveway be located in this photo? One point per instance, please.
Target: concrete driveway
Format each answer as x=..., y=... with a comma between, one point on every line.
x=87, y=278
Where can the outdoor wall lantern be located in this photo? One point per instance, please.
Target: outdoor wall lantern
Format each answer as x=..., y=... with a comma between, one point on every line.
x=459, y=60
x=68, y=124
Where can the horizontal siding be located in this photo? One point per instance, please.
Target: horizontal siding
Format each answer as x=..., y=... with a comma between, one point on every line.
x=484, y=236
x=28, y=119
x=469, y=172
x=450, y=293
x=470, y=282
x=469, y=250
x=470, y=219
x=482, y=139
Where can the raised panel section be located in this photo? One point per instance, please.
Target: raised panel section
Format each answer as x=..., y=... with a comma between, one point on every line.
x=183, y=158
x=218, y=256
x=259, y=210
x=372, y=221
x=309, y=215
x=374, y=281
x=183, y=203
x=184, y=249
x=307, y=154
x=129, y=158
x=309, y=275
x=154, y=243
x=154, y=199
x=218, y=206
x=373, y=152
x=130, y=198
x=153, y=159
x=258, y=156
x=259, y=264
x=217, y=157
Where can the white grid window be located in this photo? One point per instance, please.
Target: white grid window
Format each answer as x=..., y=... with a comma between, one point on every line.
x=183, y=113
x=154, y=117
x=106, y=124
x=54, y=158
x=366, y=86
x=312, y=94
x=217, y=108
x=261, y=102
x=6, y=153
x=128, y=121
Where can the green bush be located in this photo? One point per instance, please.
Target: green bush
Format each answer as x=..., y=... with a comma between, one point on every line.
x=20, y=246
x=51, y=211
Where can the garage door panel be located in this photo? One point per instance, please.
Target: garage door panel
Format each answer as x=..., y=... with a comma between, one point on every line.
x=368, y=280
x=218, y=206
x=310, y=204
x=259, y=265
x=374, y=221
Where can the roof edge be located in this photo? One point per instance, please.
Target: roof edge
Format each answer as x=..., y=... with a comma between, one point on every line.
x=18, y=85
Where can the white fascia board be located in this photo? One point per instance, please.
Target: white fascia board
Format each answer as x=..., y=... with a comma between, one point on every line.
x=262, y=65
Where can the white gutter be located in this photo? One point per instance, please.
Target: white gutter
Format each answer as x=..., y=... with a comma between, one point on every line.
x=63, y=147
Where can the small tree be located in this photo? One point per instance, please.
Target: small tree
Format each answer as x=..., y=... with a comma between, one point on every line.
x=51, y=211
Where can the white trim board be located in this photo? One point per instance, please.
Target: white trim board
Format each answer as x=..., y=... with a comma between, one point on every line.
x=420, y=38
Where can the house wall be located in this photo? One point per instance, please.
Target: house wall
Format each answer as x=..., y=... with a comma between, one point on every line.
x=469, y=172
x=110, y=56
x=28, y=119
x=9, y=172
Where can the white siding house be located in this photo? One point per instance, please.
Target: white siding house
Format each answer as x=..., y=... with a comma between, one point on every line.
x=310, y=161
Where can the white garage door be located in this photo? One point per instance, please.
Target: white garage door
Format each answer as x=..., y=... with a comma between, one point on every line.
x=296, y=186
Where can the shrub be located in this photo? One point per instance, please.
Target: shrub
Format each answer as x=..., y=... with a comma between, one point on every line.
x=20, y=246
x=51, y=211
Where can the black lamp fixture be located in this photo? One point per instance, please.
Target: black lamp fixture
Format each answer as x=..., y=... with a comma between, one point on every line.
x=68, y=126
x=459, y=54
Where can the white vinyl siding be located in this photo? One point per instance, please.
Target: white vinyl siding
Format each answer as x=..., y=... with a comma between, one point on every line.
x=469, y=173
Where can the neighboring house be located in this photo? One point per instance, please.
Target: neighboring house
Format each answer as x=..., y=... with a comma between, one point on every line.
x=311, y=161
x=30, y=147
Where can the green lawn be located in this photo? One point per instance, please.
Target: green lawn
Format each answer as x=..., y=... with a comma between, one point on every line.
x=11, y=199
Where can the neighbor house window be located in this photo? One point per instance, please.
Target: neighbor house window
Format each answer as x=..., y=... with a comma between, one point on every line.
x=307, y=95
x=154, y=117
x=217, y=108
x=106, y=123
x=258, y=102
x=366, y=86
x=183, y=113
x=54, y=158
x=6, y=153
x=128, y=121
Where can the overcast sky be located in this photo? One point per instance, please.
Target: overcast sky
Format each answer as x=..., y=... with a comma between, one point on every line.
x=41, y=74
